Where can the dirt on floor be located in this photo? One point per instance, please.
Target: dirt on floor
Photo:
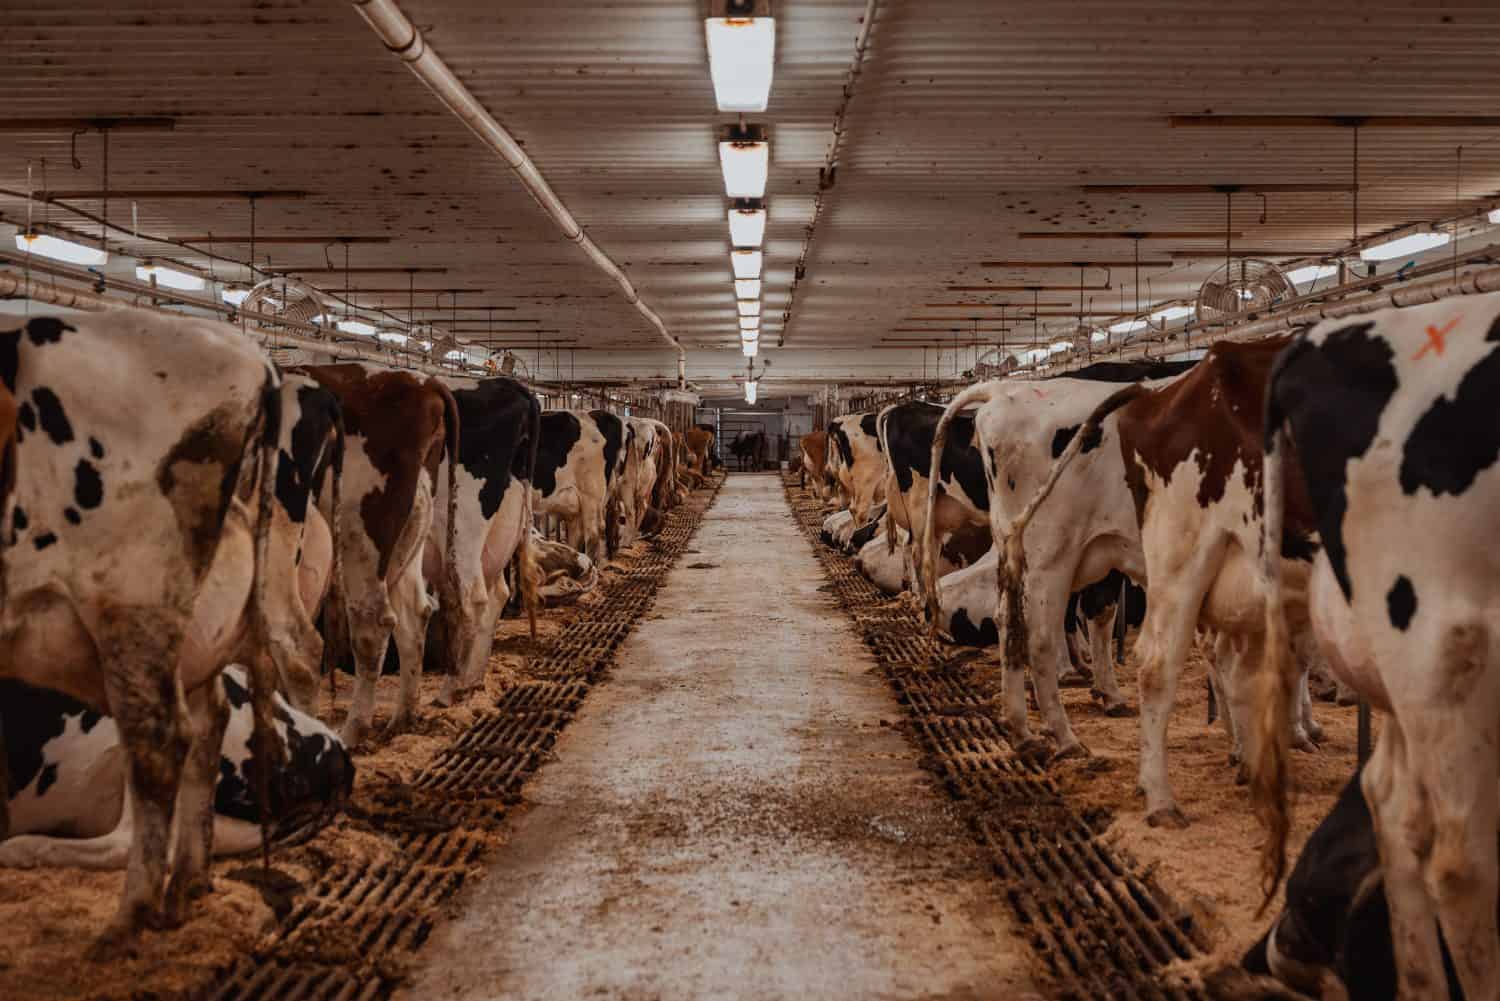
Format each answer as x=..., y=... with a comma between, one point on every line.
x=1212, y=867
x=52, y=917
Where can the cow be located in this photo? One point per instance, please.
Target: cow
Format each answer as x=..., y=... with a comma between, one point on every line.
x=749, y=450
x=399, y=429
x=646, y=456
x=569, y=482
x=1391, y=416
x=67, y=796
x=666, y=493
x=857, y=463
x=1021, y=427
x=813, y=449
x=698, y=446
x=905, y=432
x=499, y=423
x=136, y=522
x=1336, y=918
x=1192, y=452
x=619, y=504
x=565, y=573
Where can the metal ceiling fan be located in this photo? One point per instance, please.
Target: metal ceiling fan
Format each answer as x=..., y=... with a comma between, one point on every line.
x=1248, y=285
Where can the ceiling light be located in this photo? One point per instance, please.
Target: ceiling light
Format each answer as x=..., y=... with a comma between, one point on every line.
x=749, y=323
x=359, y=327
x=749, y=307
x=741, y=53
x=1127, y=326
x=746, y=263
x=752, y=389
x=1171, y=313
x=392, y=337
x=61, y=250
x=1312, y=273
x=235, y=296
x=1495, y=216
x=750, y=349
x=426, y=345
x=1060, y=346
x=745, y=165
x=747, y=227
x=1411, y=243
x=747, y=288
x=455, y=355
x=168, y=278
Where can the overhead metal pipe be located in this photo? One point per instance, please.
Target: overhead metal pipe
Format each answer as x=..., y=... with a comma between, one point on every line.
x=405, y=40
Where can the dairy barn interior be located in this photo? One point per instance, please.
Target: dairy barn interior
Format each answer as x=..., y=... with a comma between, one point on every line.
x=749, y=499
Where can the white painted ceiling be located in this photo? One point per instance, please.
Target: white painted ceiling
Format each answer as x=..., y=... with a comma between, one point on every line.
x=973, y=123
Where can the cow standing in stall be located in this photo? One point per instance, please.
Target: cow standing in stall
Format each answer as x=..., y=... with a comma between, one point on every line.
x=132, y=549
x=1392, y=420
x=399, y=429
x=813, y=449
x=857, y=463
x=570, y=480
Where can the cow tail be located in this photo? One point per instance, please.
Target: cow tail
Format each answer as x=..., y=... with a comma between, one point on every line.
x=451, y=431
x=888, y=523
x=1010, y=568
x=335, y=611
x=527, y=573
x=265, y=748
x=1267, y=751
x=927, y=581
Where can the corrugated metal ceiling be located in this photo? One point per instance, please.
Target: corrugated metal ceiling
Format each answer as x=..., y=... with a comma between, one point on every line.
x=973, y=122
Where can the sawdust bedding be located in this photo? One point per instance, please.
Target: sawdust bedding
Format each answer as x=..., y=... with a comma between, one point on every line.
x=1212, y=867
x=51, y=917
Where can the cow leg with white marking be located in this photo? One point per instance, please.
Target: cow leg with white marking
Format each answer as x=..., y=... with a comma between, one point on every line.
x=194, y=842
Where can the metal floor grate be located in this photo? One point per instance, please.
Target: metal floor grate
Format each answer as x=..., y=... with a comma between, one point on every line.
x=351, y=936
x=1100, y=927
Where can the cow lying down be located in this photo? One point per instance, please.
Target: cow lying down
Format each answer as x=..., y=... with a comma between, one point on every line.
x=841, y=532
x=1335, y=919
x=566, y=573
x=67, y=778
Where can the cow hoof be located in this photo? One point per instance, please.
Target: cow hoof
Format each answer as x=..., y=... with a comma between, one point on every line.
x=118, y=942
x=1303, y=743
x=1075, y=750
x=353, y=734
x=1075, y=678
x=1242, y=775
x=1118, y=710
x=181, y=892
x=1167, y=816
x=1347, y=699
x=1315, y=732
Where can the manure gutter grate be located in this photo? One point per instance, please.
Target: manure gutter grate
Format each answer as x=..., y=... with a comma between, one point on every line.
x=1099, y=925
x=353, y=935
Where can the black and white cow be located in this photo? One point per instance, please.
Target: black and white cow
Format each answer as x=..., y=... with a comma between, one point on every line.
x=136, y=522
x=499, y=430
x=855, y=460
x=619, y=493
x=570, y=481
x=66, y=792
x=1391, y=419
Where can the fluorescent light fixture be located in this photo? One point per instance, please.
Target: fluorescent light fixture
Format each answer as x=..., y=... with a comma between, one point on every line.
x=1312, y=273
x=741, y=54
x=745, y=166
x=1127, y=326
x=749, y=323
x=235, y=296
x=1171, y=313
x=61, y=250
x=359, y=327
x=1411, y=243
x=748, y=307
x=747, y=288
x=1495, y=216
x=750, y=348
x=455, y=355
x=746, y=263
x=752, y=390
x=426, y=345
x=1099, y=336
x=169, y=278
x=392, y=337
x=749, y=335
x=747, y=227
x=1060, y=346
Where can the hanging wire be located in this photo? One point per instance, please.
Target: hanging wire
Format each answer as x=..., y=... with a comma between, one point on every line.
x=1458, y=176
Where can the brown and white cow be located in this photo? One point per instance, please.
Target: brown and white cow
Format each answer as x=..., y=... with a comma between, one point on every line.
x=569, y=480
x=814, y=451
x=666, y=492
x=1193, y=463
x=698, y=446
x=499, y=429
x=857, y=462
x=136, y=518
x=399, y=427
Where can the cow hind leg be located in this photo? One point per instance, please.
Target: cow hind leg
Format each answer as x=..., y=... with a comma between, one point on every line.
x=209, y=712
x=1106, y=687
x=370, y=630
x=413, y=607
x=145, y=699
x=1170, y=625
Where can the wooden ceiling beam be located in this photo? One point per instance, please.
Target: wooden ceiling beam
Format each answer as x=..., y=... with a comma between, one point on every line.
x=168, y=194
x=357, y=271
x=1027, y=288
x=211, y=238
x=1127, y=234
x=139, y=123
x=1334, y=121
x=1220, y=189
x=1072, y=264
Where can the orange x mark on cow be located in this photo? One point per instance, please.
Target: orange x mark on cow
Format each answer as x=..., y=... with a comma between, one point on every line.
x=1435, y=337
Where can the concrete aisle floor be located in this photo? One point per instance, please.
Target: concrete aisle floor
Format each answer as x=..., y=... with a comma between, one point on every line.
x=731, y=816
